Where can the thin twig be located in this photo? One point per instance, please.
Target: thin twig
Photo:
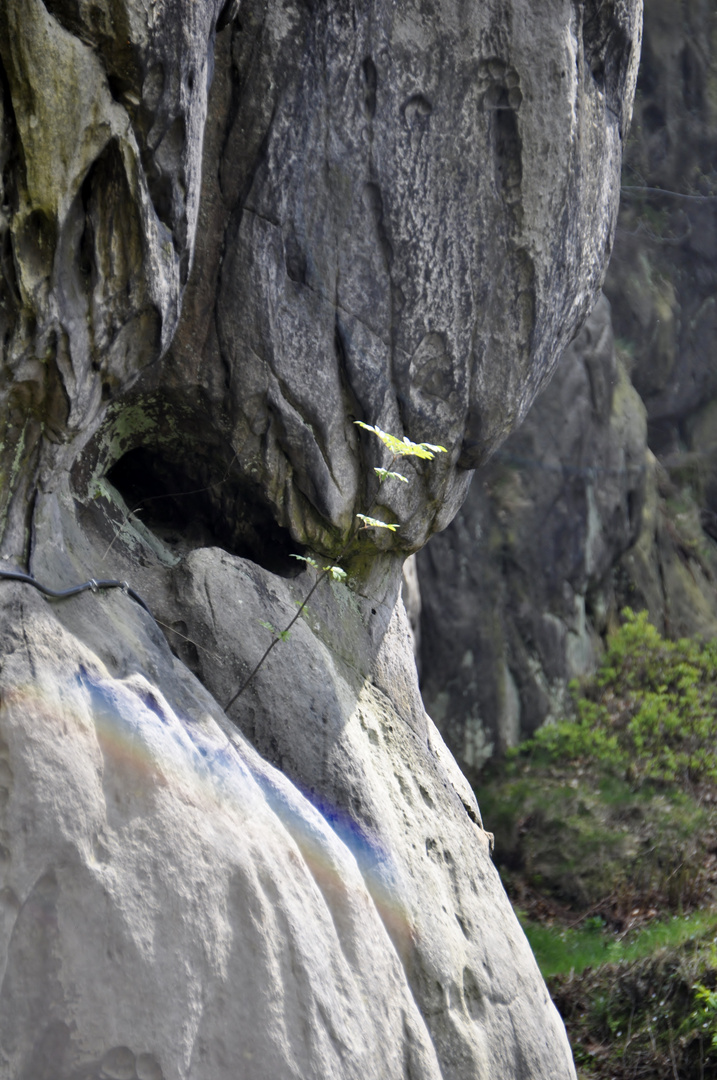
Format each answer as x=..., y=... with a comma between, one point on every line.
x=672, y=1051
x=285, y=631
x=629, y=1027
x=242, y=688
x=643, y=189
x=190, y=640
x=415, y=448
x=590, y=910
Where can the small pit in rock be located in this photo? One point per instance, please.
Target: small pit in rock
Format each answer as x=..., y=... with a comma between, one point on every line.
x=188, y=505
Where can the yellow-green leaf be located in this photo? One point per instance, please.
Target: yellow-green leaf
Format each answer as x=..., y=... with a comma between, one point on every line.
x=386, y=474
x=336, y=573
x=403, y=447
x=306, y=559
x=374, y=523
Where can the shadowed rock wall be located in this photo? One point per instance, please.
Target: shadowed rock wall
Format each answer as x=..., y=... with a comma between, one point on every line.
x=401, y=217
x=543, y=572
x=663, y=280
x=517, y=590
x=663, y=287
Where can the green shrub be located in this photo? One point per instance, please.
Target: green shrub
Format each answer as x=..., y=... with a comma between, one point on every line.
x=605, y=825
x=616, y=806
x=649, y=714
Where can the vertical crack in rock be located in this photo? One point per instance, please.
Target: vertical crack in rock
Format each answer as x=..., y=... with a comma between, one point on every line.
x=608, y=31
x=501, y=100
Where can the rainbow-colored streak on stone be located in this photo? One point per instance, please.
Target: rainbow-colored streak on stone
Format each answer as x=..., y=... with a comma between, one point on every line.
x=149, y=746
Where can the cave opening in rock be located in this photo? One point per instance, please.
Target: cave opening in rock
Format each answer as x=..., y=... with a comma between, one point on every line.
x=194, y=504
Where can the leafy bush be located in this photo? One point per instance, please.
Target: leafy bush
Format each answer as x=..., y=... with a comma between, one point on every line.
x=649, y=714
x=616, y=808
x=605, y=825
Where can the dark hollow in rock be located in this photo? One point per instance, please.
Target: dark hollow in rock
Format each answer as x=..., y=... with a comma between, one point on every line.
x=186, y=507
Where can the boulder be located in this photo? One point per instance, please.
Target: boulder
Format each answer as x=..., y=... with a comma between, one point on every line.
x=172, y=906
x=300, y=885
x=230, y=230
x=384, y=236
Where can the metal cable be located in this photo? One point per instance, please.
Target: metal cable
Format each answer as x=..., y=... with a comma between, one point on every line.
x=641, y=188
x=565, y=468
x=93, y=584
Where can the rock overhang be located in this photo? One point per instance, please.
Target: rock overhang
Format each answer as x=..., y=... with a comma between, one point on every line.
x=376, y=240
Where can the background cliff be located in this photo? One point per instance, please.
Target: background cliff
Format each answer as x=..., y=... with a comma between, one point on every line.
x=228, y=231
x=606, y=495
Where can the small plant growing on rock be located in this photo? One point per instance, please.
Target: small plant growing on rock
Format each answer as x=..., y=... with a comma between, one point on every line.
x=399, y=448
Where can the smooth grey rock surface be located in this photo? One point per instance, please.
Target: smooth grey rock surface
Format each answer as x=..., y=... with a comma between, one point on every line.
x=172, y=904
x=347, y=900
x=516, y=593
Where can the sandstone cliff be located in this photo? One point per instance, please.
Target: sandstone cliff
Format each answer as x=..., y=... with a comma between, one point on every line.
x=608, y=494
x=228, y=231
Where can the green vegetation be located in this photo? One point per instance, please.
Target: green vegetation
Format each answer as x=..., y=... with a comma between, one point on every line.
x=334, y=572
x=650, y=714
x=402, y=447
x=573, y=948
x=652, y=1017
x=606, y=839
x=399, y=448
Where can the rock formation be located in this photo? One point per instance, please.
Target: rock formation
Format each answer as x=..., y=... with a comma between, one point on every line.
x=229, y=231
x=515, y=593
x=663, y=278
x=510, y=615
x=663, y=288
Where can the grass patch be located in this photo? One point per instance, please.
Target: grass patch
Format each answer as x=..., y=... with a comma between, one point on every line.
x=606, y=839
x=650, y=1018
x=583, y=841
x=561, y=950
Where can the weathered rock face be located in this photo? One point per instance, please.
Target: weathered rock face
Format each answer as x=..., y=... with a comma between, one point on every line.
x=103, y=110
x=427, y=255
x=172, y=906
x=403, y=214
x=303, y=901
x=671, y=570
x=663, y=281
x=662, y=284
x=517, y=590
x=433, y=231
